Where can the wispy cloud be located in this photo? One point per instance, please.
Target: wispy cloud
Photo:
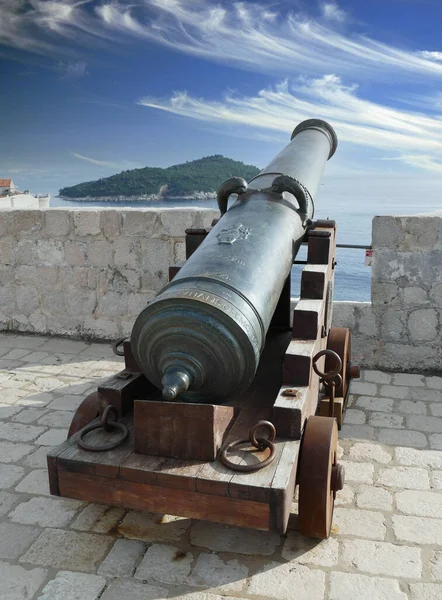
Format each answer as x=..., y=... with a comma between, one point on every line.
x=105, y=163
x=73, y=69
x=431, y=55
x=358, y=121
x=332, y=12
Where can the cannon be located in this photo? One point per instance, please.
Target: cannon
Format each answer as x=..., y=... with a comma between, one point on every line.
x=232, y=394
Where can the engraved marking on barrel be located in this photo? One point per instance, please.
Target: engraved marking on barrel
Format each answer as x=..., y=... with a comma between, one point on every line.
x=233, y=233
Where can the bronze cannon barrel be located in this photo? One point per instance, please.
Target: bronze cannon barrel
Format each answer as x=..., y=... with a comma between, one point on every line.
x=202, y=336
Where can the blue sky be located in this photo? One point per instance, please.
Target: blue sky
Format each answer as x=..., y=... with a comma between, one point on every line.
x=91, y=88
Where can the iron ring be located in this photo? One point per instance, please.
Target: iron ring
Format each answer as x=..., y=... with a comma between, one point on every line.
x=248, y=468
x=115, y=347
x=258, y=442
x=330, y=374
x=111, y=446
x=104, y=417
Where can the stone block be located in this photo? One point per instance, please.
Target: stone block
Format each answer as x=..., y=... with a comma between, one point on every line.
x=282, y=581
x=412, y=407
x=17, y=432
x=75, y=253
x=86, y=222
x=366, y=389
x=40, y=277
x=417, y=530
x=27, y=298
x=122, y=559
x=67, y=550
x=358, y=472
x=15, y=539
x=7, y=502
x=360, y=523
x=374, y=403
x=420, y=232
x=426, y=591
x=46, y=512
x=25, y=252
x=365, y=319
x=110, y=221
x=152, y=527
x=100, y=328
x=178, y=252
x=344, y=314
x=348, y=586
x=142, y=223
x=19, y=583
x=399, y=437
x=211, y=572
x=409, y=357
x=175, y=221
x=53, y=302
x=57, y=222
x=306, y=551
x=26, y=223
x=375, y=498
x=128, y=589
x=127, y=253
x=165, y=564
x=370, y=452
x=226, y=538
x=430, y=424
x=435, y=441
x=411, y=478
x=50, y=252
x=72, y=586
x=53, y=437
x=436, y=566
x=382, y=419
x=79, y=302
x=7, y=274
x=414, y=296
x=387, y=232
x=112, y=304
x=434, y=383
x=418, y=458
x=392, y=324
x=10, y=475
x=383, y=293
x=382, y=558
x=436, y=294
x=365, y=432
x=100, y=254
x=36, y=482
x=8, y=298
x=422, y=324
x=12, y=452
x=419, y=503
x=354, y=417
x=6, y=251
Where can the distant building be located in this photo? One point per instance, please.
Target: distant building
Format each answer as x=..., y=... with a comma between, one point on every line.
x=7, y=186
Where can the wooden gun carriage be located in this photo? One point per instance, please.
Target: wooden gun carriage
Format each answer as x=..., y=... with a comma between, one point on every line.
x=236, y=461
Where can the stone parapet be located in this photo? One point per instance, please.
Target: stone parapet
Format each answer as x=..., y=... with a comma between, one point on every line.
x=87, y=273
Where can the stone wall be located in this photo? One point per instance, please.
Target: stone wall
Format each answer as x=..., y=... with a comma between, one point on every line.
x=401, y=330
x=88, y=273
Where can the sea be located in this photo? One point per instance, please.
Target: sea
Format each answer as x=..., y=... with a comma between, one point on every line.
x=348, y=201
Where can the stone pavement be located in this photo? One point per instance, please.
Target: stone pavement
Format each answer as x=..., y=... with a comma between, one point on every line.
x=387, y=533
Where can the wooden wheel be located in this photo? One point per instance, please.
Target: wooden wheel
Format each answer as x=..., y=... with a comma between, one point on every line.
x=339, y=341
x=88, y=410
x=319, y=476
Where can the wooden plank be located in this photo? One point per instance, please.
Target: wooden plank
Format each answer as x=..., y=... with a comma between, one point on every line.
x=283, y=487
x=140, y=496
x=52, y=460
x=298, y=362
x=121, y=389
x=313, y=282
x=104, y=464
x=308, y=319
x=181, y=430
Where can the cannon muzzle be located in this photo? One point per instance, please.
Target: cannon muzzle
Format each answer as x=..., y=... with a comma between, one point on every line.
x=201, y=337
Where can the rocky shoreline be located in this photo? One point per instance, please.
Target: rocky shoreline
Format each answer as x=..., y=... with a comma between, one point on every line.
x=143, y=198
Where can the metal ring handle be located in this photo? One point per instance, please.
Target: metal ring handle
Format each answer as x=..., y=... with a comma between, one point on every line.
x=258, y=442
x=330, y=374
x=248, y=468
x=110, y=409
x=115, y=347
x=111, y=446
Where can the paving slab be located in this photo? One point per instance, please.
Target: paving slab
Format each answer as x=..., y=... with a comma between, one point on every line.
x=386, y=540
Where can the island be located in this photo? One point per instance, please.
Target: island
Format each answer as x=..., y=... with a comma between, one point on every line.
x=197, y=179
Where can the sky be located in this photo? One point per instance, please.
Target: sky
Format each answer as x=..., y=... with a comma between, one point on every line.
x=91, y=88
